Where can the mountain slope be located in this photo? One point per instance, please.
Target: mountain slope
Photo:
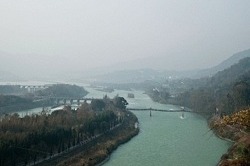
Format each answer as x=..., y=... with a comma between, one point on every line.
x=223, y=65
x=231, y=74
x=228, y=90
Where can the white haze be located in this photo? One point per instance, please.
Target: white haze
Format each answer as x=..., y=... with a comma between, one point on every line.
x=40, y=37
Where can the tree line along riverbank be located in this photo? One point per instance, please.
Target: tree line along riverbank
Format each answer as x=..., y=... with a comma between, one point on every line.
x=105, y=145
x=34, y=138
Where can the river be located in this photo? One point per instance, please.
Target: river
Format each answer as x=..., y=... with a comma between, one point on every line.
x=165, y=138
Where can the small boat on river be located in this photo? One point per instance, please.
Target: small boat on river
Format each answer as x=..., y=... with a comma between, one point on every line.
x=182, y=115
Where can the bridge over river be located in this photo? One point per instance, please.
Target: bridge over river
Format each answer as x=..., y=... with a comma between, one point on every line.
x=66, y=100
x=161, y=110
x=182, y=109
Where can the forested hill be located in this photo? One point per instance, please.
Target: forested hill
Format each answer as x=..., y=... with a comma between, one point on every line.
x=63, y=90
x=233, y=60
x=228, y=90
x=237, y=72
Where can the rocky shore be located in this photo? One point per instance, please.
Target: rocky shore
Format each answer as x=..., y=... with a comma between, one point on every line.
x=235, y=128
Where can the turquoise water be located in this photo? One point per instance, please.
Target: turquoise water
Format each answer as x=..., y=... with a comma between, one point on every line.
x=165, y=138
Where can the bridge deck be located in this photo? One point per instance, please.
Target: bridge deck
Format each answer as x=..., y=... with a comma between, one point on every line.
x=164, y=110
x=153, y=109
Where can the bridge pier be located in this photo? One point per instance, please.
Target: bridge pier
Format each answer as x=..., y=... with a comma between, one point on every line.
x=69, y=101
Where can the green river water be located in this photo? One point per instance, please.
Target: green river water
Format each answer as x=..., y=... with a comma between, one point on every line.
x=165, y=139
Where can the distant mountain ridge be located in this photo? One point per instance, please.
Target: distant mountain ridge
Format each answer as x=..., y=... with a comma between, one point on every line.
x=235, y=58
x=140, y=75
x=127, y=72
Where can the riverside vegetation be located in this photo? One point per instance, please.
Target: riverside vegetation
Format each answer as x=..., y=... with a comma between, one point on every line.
x=34, y=138
x=103, y=146
x=235, y=127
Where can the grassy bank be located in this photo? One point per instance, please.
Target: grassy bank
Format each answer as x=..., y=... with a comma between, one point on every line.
x=105, y=145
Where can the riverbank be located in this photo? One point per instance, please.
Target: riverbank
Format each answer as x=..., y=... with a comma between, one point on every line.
x=23, y=106
x=105, y=145
x=235, y=128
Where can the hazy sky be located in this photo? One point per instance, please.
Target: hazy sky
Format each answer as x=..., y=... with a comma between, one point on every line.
x=90, y=33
